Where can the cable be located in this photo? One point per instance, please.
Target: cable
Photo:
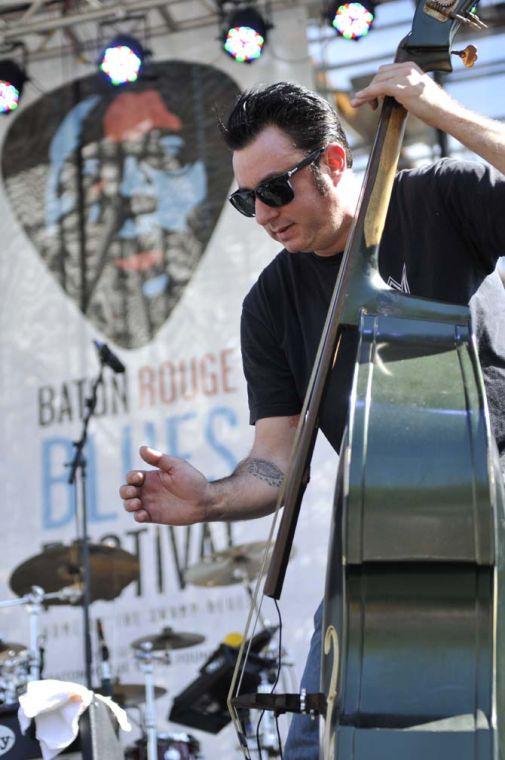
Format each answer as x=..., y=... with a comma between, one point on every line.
x=279, y=660
x=279, y=655
x=279, y=736
x=274, y=685
x=258, y=743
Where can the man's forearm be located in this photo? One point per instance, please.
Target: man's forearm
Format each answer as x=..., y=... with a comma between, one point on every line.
x=250, y=491
x=483, y=136
x=422, y=97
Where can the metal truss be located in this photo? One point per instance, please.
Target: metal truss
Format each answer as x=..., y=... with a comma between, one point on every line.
x=51, y=27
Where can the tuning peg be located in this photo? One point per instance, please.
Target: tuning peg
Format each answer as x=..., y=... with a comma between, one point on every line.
x=468, y=55
x=476, y=20
x=470, y=19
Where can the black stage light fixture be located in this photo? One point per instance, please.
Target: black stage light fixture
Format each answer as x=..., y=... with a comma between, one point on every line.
x=351, y=20
x=245, y=34
x=122, y=59
x=12, y=80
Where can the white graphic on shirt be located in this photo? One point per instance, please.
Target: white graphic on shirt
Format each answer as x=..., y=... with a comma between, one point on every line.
x=403, y=286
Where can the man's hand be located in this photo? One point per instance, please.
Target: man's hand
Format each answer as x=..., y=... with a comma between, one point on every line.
x=173, y=494
x=410, y=86
x=421, y=96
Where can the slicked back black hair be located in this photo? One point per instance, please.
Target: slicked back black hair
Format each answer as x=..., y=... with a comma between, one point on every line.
x=306, y=117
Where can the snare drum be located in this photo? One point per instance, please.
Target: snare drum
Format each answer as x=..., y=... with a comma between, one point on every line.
x=170, y=747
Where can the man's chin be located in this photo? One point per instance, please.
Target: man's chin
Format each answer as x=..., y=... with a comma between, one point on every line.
x=289, y=240
x=291, y=246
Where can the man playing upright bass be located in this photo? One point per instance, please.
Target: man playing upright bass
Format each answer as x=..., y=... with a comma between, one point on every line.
x=444, y=233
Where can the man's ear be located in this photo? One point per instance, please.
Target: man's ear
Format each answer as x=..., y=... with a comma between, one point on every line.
x=335, y=158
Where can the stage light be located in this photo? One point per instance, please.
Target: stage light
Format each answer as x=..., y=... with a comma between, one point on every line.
x=352, y=20
x=12, y=79
x=121, y=61
x=245, y=35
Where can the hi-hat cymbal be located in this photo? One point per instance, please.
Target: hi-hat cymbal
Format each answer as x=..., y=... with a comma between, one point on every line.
x=167, y=639
x=8, y=650
x=133, y=694
x=233, y=565
x=60, y=566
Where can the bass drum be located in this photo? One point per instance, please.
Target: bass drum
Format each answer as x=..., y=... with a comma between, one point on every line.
x=170, y=747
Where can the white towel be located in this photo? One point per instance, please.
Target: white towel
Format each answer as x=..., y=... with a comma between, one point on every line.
x=57, y=707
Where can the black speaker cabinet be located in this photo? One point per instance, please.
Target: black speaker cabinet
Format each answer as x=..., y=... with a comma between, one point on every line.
x=202, y=704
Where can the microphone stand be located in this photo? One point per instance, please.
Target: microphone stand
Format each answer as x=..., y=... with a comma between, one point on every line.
x=105, y=674
x=78, y=464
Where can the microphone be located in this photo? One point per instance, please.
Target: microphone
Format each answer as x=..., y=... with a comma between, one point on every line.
x=105, y=675
x=108, y=358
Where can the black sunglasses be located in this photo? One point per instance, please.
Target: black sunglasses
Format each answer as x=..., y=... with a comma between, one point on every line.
x=276, y=191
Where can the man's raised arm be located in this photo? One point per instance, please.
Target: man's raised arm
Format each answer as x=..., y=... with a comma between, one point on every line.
x=421, y=96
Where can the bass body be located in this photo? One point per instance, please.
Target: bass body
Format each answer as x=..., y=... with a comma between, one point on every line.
x=413, y=625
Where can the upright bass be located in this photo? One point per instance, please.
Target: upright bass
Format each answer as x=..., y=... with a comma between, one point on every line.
x=413, y=633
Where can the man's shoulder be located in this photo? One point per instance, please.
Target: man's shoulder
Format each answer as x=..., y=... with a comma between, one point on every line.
x=448, y=183
x=445, y=169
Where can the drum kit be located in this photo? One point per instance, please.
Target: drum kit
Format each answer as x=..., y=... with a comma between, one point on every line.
x=54, y=577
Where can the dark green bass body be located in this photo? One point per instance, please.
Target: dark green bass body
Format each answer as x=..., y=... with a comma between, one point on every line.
x=413, y=630
x=413, y=640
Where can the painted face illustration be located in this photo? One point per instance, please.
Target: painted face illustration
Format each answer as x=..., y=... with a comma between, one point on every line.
x=122, y=190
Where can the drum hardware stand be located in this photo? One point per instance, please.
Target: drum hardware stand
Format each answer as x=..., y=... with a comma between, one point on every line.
x=105, y=673
x=146, y=658
x=34, y=608
x=34, y=602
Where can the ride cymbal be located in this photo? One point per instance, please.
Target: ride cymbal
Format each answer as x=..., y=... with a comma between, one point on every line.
x=133, y=694
x=233, y=565
x=168, y=639
x=60, y=567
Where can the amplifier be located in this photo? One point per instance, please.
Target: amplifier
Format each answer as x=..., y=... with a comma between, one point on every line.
x=202, y=704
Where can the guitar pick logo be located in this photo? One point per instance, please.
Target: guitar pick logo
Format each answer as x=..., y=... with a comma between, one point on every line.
x=120, y=190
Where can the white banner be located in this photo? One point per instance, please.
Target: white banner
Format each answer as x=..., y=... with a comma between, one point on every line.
x=167, y=263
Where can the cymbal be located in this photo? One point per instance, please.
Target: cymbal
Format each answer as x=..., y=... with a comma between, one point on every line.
x=233, y=565
x=8, y=650
x=133, y=694
x=60, y=566
x=168, y=639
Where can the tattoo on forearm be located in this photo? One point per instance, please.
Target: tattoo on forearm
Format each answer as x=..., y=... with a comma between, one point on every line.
x=264, y=470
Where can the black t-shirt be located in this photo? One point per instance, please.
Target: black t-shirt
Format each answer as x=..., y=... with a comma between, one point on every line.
x=444, y=232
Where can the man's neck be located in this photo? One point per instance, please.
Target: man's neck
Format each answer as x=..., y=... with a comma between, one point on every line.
x=346, y=198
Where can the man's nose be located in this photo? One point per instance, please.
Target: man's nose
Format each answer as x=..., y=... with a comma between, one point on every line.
x=264, y=214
